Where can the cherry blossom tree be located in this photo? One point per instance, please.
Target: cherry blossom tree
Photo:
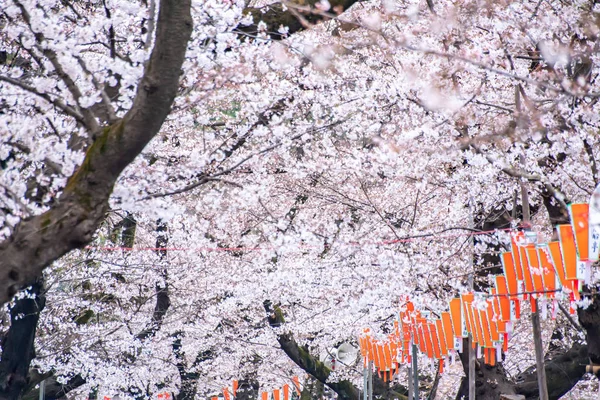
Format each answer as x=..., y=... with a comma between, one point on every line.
x=252, y=194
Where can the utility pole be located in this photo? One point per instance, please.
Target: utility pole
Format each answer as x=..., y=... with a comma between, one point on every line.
x=370, y=380
x=42, y=390
x=471, y=350
x=535, y=317
x=411, y=386
x=365, y=383
x=415, y=373
x=472, y=356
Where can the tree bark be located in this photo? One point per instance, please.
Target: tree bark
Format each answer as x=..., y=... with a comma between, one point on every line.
x=562, y=372
x=589, y=319
x=490, y=382
x=163, y=301
x=18, y=344
x=77, y=213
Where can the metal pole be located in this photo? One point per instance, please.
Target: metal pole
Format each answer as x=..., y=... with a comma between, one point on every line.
x=415, y=373
x=535, y=316
x=370, y=380
x=539, y=356
x=365, y=383
x=411, y=387
x=472, y=355
x=471, y=368
x=42, y=389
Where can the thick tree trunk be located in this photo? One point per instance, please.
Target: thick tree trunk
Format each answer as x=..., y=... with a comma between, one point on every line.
x=589, y=319
x=18, y=344
x=490, y=382
x=562, y=373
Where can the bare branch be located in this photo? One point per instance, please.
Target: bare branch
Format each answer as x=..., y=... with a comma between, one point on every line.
x=107, y=107
x=61, y=105
x=594, y=166
x=569, y=318
x=88, y=117
x=49, y=163
x=518, y=173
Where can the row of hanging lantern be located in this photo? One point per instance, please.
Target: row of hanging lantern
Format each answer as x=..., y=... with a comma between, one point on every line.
x=230, y=393
x=283, y=393
x=532, y=271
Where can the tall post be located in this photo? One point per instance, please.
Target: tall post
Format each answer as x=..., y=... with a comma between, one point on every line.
x=370, y=380
x=42, y=390
x=415, y=373
x=535, y=317
x=539, y=355
x=411, y=387
x=365, y=383
x=471, y=350
x=472, y=356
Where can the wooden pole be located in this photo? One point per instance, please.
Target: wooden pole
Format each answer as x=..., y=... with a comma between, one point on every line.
x=42, y=390
x=535, y=317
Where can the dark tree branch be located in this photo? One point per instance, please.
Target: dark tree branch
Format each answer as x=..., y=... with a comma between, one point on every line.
x=301, y=356
x=562, y=372
x=277, y=15
x=88, y=117
x=593, y=164
x=104, y=109
x=18, y=344
x=61, y=105
x=163, y=301
x=189, y=380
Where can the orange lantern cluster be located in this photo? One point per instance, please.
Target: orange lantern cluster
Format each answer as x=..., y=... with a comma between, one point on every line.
x=486, y=317
x=531, y=271
x=383, y=353
x=541, y=270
